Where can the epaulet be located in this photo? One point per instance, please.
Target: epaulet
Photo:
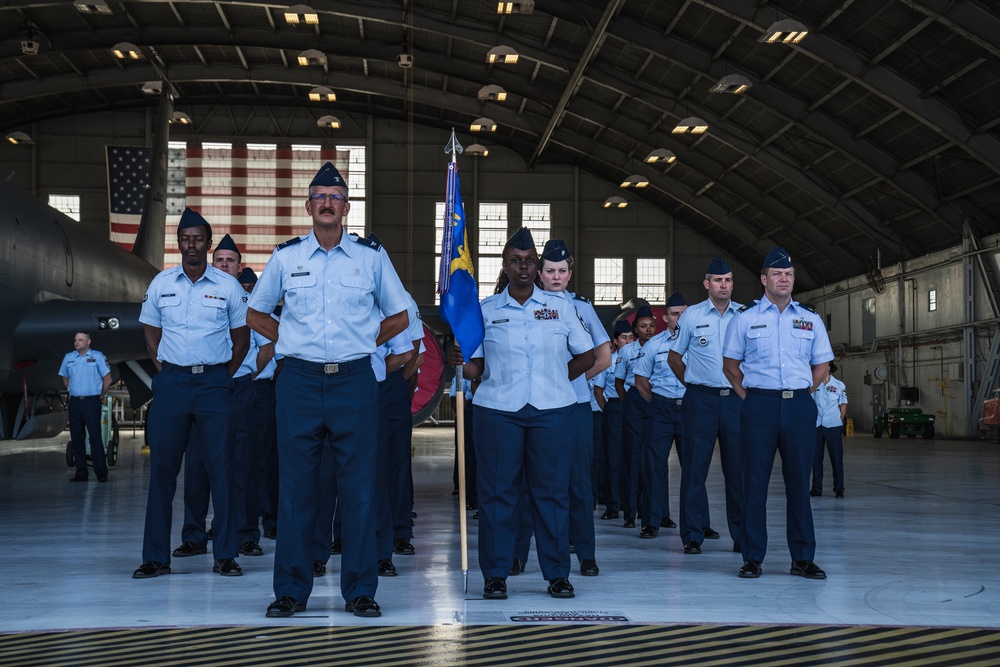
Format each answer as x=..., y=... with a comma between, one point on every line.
x=368, y=243
x=745, y=307
x=289, y=242
x=578, y=297
x=809, y=307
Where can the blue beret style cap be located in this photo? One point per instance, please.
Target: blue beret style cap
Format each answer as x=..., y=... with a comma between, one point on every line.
x=247, y=275
x=718, y=267
x=328, y=175
x=227, y=243
x=676, y=299
x=622, y=326
x=778, y=258
x=191, y=218
x=522, y=239
x=644, y=311
x=555, y=251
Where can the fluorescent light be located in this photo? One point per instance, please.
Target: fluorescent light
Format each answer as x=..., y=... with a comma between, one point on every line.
x=331, y=122
x=492, y=92
x=615, y=202
x=322, y=94
x=297, y=14
x=635, y=181
x=483, y=125
x=734, y=84
x=786, y=31
x=660, y=155
x=692, y=125
x=503, y=54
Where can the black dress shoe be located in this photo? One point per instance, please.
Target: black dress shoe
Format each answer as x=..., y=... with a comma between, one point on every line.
x=472, y=506
x=648, y=533
x=588, y=567
x=838, y=494
x=667, y=522
x=402, y=547
x=751, y=570
x=227, y=567
x=271, y=533
x=517, y=568
x=814, y=493
x=629, y=523
x=608, y=514
x=561, y=588
x=364, y=605
x=386, y=568
x=710, y=533
x=336, y=547
x=189, y=549
x=284, y=607
x=77, y=478
x=807, y=569
x=251, y=548
x=495, y=589
x=102, y=480
x=319, y=568
x=692, y=547
x=150, y=569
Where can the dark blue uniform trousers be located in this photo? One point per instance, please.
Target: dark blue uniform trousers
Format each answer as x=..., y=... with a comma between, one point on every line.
x=399, y=438
x=770, y=423
x=635, y=418
x=267, y=446
x=328, y=526
x=613, y=454
x=529, y=443
x=182, y=400
x=581, y=494
x=598, y=475
x=833, y=436
x=197, y=492
x=665, y=426
x=709, y=416
x=337, y=413
x=384, y=473
x=85, y=419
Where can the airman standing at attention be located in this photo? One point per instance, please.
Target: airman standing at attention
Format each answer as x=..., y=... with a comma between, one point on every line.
x=86, y=376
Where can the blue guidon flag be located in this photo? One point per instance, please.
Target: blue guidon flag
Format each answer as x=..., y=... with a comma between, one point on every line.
x=457, y=280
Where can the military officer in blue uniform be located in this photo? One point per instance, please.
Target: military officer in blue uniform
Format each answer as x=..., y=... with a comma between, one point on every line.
x=555, y=272
x=335, y=287
x=607, y=398
x=711, y=410
x=86, y=376
x=831, y=402
x=784, y=350
x=523, y=411
x=664, y=393
x=195, y=327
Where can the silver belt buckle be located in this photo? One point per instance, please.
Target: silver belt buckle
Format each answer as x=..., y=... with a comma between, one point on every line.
x=678, y=401
x=330, y=369
x=788, y=394
x=197, y=370
x=724, y=392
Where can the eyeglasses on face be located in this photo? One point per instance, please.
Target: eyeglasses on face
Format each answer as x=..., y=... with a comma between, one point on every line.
x=319, y=197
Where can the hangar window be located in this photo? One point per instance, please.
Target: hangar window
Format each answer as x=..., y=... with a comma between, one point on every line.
x=932, y=300
x=608, y=280
x=438, y=234
x=492, y=237
x=651, y=280
x=538, y=218
x=68, y=204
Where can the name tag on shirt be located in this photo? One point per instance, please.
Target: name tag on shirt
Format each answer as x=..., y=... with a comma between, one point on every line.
x=761, y=326
x=299, y=275
x=499, y=321
x=805, y=325
x=546, y=314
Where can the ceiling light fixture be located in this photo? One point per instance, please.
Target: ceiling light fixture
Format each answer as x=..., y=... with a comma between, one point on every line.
x=635, y=181
x=92, y=7
x=322, y=94
x=503, y=54
x=297, y=14
x=692, y=125
x=329, y=122
x=312, y=58
x=152, y=87
x=477, y=149
x=615, y=202
x=492, y=92
x=126, y=51
x=180, y=118
x=786, y=31
x=18, y=138
x=483, y=125
x=734, y=84
x=516, y=7
x=660, y=155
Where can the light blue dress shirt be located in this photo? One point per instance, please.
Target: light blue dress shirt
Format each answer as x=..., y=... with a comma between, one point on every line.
x=592, y=324
x=261, y=340
x=627, y=356
x=829, y=396
x=333, y=299
x=524, y=351
x=195, y=317
x=398, y=344
x=703, y=330
x=249, y=364
x=85, y=372
x=595, y=382
x=778, y=350
x=610, y=391
x=653, y=365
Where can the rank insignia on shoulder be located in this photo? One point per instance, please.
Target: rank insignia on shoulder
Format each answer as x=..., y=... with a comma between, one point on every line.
x=289, y=242
x=581, y=298
x=368, y=243
x=744, y=308
x=145, y=296
x=585, y=327
x=245, y=298
x=546, y=314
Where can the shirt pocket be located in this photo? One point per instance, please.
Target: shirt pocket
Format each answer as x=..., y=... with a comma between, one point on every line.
x=759, y=344
x=302, y=294
x=171, y=310
x=802, y=342
x=357, y=296
x=217, y=311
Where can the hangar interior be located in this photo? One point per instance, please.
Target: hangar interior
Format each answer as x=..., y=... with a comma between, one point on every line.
x=865, y=142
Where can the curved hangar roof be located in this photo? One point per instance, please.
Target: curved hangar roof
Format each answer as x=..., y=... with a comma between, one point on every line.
x=877, y=132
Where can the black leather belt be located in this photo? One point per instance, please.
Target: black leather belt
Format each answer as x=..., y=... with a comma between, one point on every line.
x=82, y=397
x=669, y=401
x=338, y=368
x=715, y=391
x=778, y=393
x=193, y=370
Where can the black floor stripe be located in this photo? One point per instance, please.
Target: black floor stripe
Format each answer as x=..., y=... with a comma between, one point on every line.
x=581, y=645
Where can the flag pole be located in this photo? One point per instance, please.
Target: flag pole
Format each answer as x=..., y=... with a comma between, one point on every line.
x=455, y=148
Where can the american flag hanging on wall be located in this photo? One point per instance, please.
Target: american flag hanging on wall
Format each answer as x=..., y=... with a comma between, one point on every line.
x=128, y=179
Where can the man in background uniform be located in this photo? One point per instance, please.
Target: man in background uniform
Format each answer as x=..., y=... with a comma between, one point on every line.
x=87, y=377
x=831, y=402
x=610, y=460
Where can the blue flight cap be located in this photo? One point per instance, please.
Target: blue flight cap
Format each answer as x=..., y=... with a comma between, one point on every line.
x=328, y=176
x=247, y=276
x=644, y=311
x=676, y=299
x=778, y=258
x=622, y=326
x=191, y=218
x=227, y=243
x=718, y=267
x=555, y=251
x=522, y=239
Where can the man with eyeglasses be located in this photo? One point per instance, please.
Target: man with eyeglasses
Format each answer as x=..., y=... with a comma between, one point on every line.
x=335, y=287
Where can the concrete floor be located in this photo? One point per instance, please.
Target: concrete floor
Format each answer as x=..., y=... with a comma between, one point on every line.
x=913, y=543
